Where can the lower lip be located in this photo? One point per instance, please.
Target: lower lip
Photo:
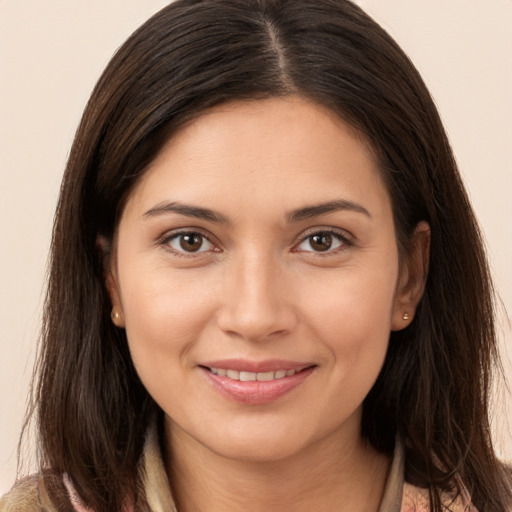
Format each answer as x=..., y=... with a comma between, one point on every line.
x=256, y=392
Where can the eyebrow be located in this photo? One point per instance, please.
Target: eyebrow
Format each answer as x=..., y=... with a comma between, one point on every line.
x=196, y=212
x=307, y=212
x=321, y=209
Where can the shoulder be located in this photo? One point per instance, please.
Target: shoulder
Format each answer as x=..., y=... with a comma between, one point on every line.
x=37, y=493
x=23, y=497
x=416, y=499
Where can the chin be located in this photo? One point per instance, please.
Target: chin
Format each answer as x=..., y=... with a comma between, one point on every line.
x=258, y=450
x=247, y=441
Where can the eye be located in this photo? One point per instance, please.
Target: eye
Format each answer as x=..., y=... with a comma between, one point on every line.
x=189, y=242
x=323, y=241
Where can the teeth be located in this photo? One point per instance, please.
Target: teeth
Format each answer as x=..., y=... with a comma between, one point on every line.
x=233, y=374
x=265, y=376
x=251, y=376
x=247, y=376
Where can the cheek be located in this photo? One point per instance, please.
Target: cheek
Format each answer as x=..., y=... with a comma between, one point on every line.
x=165, y=315
x=164, y=311
x=360, y=299
x=351, y=314
x=353, y=323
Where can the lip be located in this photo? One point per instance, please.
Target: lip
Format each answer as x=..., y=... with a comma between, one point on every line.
x=256, y=392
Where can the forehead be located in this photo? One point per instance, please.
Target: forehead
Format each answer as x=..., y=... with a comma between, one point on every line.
x=255, y=153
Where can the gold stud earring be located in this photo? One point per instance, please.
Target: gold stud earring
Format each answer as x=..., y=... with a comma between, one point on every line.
x=406, y=316
x=115, y=316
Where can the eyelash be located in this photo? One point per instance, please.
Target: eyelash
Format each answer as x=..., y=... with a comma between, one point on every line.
x=168, y=238
x=345, y=240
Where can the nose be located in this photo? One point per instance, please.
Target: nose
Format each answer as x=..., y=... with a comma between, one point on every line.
x=257, y=305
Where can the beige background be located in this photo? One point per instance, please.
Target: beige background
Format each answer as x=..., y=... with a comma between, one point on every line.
x=51, y=54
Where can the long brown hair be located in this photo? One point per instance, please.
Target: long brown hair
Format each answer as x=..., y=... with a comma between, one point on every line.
x=433, y=390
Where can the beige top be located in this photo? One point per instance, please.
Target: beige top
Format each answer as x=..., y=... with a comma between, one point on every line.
x=29, y=495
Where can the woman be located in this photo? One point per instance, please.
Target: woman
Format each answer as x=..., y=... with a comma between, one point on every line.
x=267, y=288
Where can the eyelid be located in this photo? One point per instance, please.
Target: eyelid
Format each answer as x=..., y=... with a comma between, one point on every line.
x=347, y=239
x=170, y=235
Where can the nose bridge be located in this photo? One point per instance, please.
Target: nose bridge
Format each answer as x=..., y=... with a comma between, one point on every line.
x=256, y=304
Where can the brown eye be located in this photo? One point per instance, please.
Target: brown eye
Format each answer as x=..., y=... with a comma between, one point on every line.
x=190, y=242
x=322, y=241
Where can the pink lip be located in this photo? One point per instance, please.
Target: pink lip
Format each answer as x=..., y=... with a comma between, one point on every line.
x=256, y=392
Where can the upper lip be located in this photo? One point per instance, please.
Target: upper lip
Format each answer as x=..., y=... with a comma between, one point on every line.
x=244, y=365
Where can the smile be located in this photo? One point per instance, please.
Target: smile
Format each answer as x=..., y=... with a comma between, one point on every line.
x=253, y=376
x=256, y=383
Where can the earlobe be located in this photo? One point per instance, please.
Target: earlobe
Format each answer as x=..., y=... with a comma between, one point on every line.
x=116, y=315
x=117, y=318
x=104, y=247
x=413, y=275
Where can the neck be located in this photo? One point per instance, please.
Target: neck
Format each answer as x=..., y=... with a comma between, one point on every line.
x=334, y=474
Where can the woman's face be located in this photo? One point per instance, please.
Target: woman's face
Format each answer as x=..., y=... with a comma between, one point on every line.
x=257, y=275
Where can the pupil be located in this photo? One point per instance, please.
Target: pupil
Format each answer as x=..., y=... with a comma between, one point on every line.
x=321, y=242
x=191, y=242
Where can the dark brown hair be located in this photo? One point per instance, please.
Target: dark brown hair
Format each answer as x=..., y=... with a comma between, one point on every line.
x=433, y=390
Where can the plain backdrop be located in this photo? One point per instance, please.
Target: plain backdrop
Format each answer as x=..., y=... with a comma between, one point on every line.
x=51, y=54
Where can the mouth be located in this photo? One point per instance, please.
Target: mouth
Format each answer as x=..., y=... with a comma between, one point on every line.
x=256, y=383
x=246, y=376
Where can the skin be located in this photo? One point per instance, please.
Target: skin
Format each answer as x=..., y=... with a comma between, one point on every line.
x=259, y=288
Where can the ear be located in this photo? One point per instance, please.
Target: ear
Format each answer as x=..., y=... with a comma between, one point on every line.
x=413, y=274
x=107, y=255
